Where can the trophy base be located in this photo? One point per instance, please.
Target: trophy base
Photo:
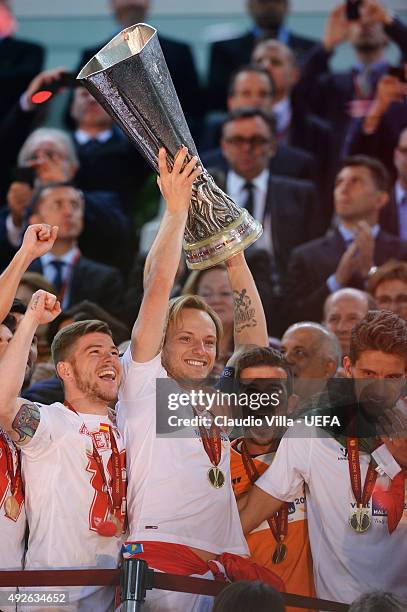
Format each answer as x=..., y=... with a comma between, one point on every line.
x=221, y=246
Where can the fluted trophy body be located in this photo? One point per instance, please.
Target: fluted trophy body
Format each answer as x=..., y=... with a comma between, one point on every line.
x=130, y=79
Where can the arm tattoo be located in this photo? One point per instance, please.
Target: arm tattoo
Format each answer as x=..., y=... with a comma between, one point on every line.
x=26, y=422
x=244, y=313
x=34, y=303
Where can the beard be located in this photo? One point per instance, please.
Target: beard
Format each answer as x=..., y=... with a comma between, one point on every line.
x=92, y=389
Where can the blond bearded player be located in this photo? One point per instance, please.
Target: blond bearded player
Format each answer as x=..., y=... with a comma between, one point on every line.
x=73, y=461
x=179, y=513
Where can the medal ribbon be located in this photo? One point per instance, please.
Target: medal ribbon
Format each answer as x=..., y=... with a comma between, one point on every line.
x=279, y=522
x=16, y=482
x=355, y=477
x=212, y=442
x=117, y=492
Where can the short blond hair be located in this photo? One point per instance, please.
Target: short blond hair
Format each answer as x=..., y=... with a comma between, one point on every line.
x=178, y=304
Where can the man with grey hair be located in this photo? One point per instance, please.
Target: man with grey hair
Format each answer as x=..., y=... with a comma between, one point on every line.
x=343, y=309
x=313, y=352
x=50, y=153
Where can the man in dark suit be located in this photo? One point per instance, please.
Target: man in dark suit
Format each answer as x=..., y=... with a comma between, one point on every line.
x=394, y=217
x=295, y=125
x=346, y=256
x=178, y=56
x=50, y=152
x=226, y=56
x=378, y=133
x=252, y=86
x=107, y=159
x=75, y=277
x=286, y=207
x=341, y=95
x=20, y=61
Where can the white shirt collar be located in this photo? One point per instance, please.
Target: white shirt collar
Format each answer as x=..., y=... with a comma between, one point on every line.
x=67, y=257
x=282, y=112
x=83, y=137
x=236, y=182
x=399, y=193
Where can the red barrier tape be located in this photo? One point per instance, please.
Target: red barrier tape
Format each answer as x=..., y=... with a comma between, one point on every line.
x=169, y=582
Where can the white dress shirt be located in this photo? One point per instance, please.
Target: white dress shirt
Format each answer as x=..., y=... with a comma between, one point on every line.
x=282, y=111
x=401, y=203
x=235, y=188
x=83, y=138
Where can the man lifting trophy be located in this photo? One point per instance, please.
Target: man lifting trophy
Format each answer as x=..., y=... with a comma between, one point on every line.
x=130, y=79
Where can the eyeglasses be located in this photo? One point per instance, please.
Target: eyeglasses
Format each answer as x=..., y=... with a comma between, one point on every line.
x=254, y=142
x=50, y=153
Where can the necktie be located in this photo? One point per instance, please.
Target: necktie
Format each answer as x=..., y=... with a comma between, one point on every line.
x=249, y=203
x=91, y=147
x=58, y=282
x=365, y=81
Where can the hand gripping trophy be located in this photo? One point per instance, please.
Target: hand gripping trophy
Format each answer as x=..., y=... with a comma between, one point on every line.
x=130, y=79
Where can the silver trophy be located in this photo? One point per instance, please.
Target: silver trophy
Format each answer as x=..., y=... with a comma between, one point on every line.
x=130, y=79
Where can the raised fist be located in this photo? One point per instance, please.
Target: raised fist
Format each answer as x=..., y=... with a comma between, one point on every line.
x=44, y=307
x=38, y=239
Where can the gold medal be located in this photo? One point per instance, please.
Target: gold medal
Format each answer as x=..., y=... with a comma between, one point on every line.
x=216, y=477
x=280, y=553
x=12, y=508
x=360, y=520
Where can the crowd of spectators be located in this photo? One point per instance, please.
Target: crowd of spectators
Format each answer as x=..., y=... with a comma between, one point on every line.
x=318, y=157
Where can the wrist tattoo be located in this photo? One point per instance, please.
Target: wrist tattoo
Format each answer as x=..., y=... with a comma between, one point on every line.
x=26, y=422
x=244, y=313
x=34, y=303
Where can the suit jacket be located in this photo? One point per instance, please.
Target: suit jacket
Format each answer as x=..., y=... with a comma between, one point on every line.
x=92, y=281
x=114, y=165
x=287, y=161
x=383, y=141
x=20, y=62
x=389, y=216
x=328, y=94
x=311, y=264
x=180, y=62
x=45, y=391
x=226, y=56
x=292, y=205
x=104, y=238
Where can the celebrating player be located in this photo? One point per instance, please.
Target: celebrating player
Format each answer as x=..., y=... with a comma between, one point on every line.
x=355, y=486
x=181, y=507
x=73, y=462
